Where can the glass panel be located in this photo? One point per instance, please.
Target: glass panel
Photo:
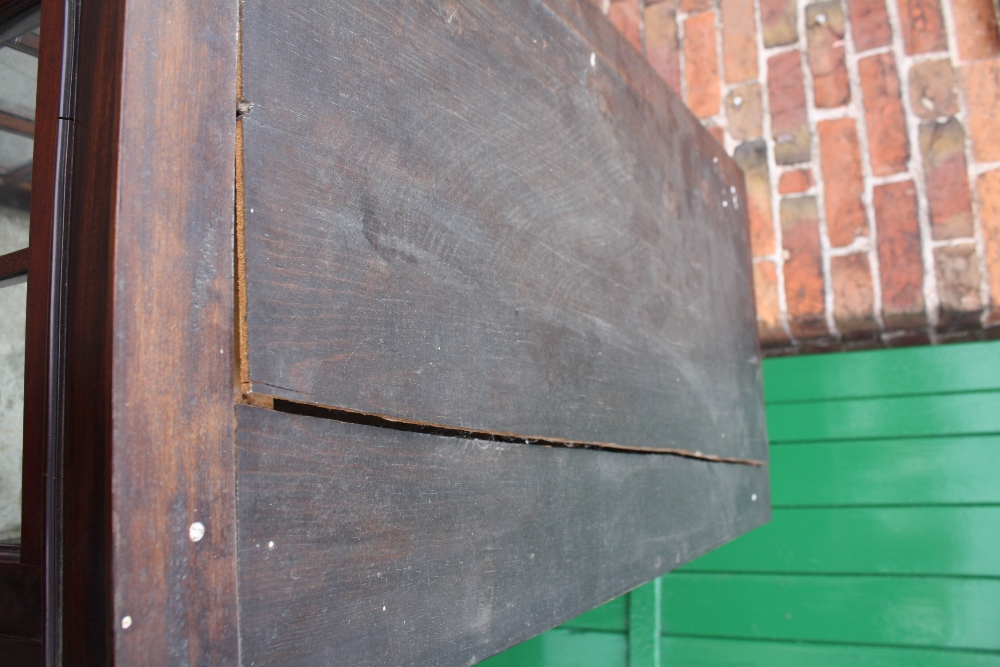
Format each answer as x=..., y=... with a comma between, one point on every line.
x=13, y=298
x=18, y=80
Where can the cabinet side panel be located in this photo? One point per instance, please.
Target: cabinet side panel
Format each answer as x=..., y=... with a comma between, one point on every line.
x=364, y=545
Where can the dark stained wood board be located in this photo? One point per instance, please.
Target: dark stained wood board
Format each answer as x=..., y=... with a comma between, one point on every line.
x=363, y=545
x=492, y=216
x=149, y=422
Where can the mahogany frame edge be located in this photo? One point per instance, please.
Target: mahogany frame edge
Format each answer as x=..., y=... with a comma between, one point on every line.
x=34, y=571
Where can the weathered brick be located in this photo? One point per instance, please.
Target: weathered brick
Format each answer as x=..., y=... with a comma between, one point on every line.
x=932, y=89
x=943, y=147
x=988, y=189
x=765, y=286
x=900, y=257
x=662, y=48
x=869, y=24
x=843, y=181
x=853, y=295
x=787, y=97
x=695, y=5
x=976, y=28
x=701, y=65
x=792, y=182
x=981, y=82
x=752, y=158
x=825, y=37
x=739, y=40
x=744, y=112
x=888, y=143
x=922, y=26
x=958, y=280
x=804, y=287
x=779, y=21
x=624, y=14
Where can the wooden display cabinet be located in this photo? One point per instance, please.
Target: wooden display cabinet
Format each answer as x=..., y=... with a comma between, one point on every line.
x=367, y=333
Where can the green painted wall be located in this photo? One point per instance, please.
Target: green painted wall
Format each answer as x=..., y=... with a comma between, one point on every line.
x=884, y=548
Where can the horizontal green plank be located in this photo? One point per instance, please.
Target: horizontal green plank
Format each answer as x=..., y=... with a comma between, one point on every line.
x=914, y=370
x=610, y=616
x=953, y=414
x=715, y=652
x=960, y=469
x=946, y=541
x=900, y=611
x=565, y=648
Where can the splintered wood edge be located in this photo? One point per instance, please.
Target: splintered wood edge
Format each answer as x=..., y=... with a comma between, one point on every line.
x=242, y=370
x=318, y=411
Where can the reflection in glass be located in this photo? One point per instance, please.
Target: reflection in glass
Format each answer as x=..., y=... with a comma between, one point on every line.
x=18, y=81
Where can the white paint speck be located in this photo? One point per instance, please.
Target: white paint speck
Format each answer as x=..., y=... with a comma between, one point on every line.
x=593, y=59
x=715, y=160
x=383, y=607
x=251, y=210
x=753, y=497
x=725, y=204
x=270, y=545
x=821, y=19
x=737, y=101
x=126, y=623
x=196, y=531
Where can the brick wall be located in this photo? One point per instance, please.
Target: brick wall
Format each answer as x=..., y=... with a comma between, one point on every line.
x=869, y=132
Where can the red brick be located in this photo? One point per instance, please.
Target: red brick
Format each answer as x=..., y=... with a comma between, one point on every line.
x=752, y=158
x=779, y=21
x=796, y=181
x=662, y=49
x=899, y=255
x=843, y=181
x=943, y=146
x=932, y=89
x=988, y=188
x=888, y=143
x=701, y=65
x=869, y=24
x=787, y=96
x=739, y=40
x=922, y=26
x=975, y=28
x=744, y=112
x=853, y=295
x=765, y=287
x=695, y=5
x=981, y=81
x=804, y=287
x=825, y=37
x=958, y=281
x=624, y=14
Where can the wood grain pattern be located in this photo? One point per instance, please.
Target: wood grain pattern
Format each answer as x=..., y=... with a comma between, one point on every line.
x=173, y=327
x=150, y=307
x=494, y=216
x=361, y=545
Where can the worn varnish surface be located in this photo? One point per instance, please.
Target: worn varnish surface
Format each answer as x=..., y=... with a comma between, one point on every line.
x=150, y=307
x=361, y=545
x=494, y=216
